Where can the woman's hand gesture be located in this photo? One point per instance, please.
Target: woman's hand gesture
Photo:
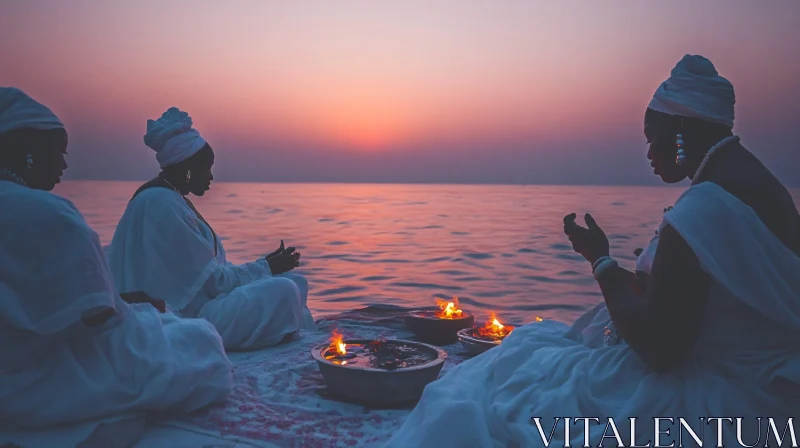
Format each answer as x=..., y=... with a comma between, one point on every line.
x=284, y=261
x=591, y=242
x=277, y=251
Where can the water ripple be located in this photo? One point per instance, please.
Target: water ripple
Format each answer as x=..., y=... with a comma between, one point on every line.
x=340, y=290
x=410, y=244
x=426, y=286
x=450, y=272
x=375, y=278
x=478, y=256
x=436, y=260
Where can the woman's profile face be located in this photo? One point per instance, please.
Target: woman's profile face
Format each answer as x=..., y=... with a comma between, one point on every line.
x=47, y=150
x=662, y=150
x=201, y=177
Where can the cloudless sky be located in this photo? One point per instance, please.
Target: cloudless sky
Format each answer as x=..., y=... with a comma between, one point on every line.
x=461, y=91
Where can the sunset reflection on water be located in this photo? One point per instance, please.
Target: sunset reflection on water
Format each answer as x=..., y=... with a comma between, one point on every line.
x=498, y=248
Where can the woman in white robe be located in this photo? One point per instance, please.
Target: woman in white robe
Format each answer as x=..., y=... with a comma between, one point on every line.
x=713, y=336
x=164, y=247
x=71, y=349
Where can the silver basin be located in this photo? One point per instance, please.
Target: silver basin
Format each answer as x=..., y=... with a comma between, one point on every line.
x=431, y=329
x=372, y=386
x=473, y=345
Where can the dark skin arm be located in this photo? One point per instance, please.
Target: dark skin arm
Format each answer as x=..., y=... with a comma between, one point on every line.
x=141, y=297
x=636, y=281
x=664, y=327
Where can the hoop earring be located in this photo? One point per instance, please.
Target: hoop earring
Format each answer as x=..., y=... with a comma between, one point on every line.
x=29, y=160
x=188, y=176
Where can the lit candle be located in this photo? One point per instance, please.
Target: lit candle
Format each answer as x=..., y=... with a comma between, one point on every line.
x=448, y=309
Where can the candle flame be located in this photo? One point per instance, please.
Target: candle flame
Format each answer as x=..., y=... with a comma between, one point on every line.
x=337, y=343
x=494, y=329
x=496, y=325
x=448, y=309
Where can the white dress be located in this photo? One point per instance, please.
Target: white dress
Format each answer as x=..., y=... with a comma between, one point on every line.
x=54, y=369
x=163, y=248
x=746, y=362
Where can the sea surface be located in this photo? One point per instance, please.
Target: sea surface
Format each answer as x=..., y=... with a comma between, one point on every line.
x=497, y=248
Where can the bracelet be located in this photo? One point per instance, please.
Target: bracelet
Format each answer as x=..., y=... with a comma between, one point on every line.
x=598, y=261
x=604, y=266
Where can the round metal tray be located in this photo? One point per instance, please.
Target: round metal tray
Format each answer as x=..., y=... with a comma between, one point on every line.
x=434, y=330
x=367, y=385
x=473, y=345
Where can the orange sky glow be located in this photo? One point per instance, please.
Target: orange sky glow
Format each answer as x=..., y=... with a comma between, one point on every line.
x=540, y=91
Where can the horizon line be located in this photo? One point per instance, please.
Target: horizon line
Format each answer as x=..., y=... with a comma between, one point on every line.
x=495, y=184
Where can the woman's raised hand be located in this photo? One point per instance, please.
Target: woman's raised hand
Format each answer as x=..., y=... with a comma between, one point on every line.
x=283, y=261
x=277, y=251
x=590, y=241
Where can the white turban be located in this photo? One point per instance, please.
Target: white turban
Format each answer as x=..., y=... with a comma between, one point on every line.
x=696, y=90
x=20, y=111
x=172, y=137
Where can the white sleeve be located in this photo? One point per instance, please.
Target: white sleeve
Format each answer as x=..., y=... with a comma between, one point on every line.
x=226, y=277
x=206, y=271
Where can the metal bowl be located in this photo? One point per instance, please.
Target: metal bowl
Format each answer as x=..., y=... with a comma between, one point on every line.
x=434, y=330
x=473, y=345
x=373, y=386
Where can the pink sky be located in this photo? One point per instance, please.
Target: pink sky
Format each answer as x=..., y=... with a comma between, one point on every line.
x=411, y=91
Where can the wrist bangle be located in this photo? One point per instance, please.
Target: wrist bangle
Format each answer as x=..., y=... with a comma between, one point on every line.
x=603, y=267
x=598, y=261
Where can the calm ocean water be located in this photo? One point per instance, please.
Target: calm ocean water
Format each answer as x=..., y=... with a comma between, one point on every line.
x=498, y=248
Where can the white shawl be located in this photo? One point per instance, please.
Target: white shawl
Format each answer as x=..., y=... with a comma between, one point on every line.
x=162, y=248
x=53, y=268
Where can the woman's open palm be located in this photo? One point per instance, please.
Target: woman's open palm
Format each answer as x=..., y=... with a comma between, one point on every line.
x=284, y=261
x=590, y=241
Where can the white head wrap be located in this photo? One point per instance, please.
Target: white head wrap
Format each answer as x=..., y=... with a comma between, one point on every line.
x=172, y=137
x=696, y=90
x=20, y=111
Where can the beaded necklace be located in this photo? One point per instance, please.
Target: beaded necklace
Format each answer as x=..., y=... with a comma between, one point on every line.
x=610, y=335
x=714, y=149
x=8, y=175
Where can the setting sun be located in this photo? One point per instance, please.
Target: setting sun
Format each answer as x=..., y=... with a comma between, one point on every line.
x=517, y=92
